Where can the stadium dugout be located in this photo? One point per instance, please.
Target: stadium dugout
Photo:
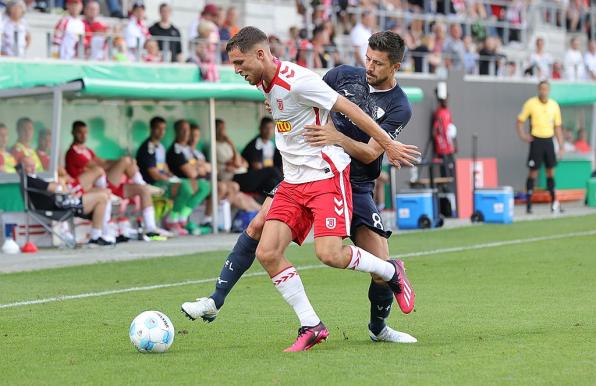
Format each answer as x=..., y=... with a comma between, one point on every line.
x=117, y=101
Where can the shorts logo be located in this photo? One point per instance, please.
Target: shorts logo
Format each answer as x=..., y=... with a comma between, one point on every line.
x=283, y=126
x=330, y=223
x=280, y=105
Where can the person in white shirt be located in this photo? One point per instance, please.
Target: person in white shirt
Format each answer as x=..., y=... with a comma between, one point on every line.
x=136, y=31
x=590, y=60
x=574, y=62
x=541, y=61
x=359, y=37
x=316, y=189
x=68, y=32
x=15, y=34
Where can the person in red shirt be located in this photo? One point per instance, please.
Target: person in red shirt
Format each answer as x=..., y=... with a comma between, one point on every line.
x=94, y=40
x=443, y=132
x=582, y=145
x=122, y=176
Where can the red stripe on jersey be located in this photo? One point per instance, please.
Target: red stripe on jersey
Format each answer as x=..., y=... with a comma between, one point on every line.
x=328, y=160
x=275, y=77
x=282, y=83
x=317, y=117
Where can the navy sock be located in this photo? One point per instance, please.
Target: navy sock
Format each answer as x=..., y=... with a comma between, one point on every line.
x=239, y=260
x=550, y=185
x=530, y=191
x=381, y=298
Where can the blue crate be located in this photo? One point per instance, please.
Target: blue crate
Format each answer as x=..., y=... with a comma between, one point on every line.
x=414, y=204
x=495, y=205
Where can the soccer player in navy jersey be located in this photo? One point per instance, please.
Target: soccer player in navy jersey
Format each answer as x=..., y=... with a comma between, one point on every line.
x=375, y=91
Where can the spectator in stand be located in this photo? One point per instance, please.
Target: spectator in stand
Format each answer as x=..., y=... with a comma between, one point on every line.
x=470, y=55
x=332, y=46
x=574, y=62
x=122, y=176
x=425, y=60
x=210, y=13
x=581, y=144
x=228, y=29
x=44, y=146
x=557, y=72
x=152, y=53
x=7, y=161
x=120, y=50
x=277, y=48
x=590, y=60
x=231, y=166
x=513, y=15
x=454, y=48
x=541, y=61
x=488, y=59
x=183, y=165
x=292, y=42
x=576, y=14
x=68, y=32
x=136, y=31
x=95, y=204
x=261, y=151
x=360, y=34
x=439, y=34
x=95, y=40
x=14, y=24
x=320, y=41
x=415, y=34
x=205, y=52
x=22, y=148
x=226, y=190
x=164, y=28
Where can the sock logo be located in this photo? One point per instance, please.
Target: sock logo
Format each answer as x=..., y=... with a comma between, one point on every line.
x=355, y=260
x=285, y=277
x=228, y=264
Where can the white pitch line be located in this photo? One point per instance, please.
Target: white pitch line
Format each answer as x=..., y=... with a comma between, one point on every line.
x=301, y=268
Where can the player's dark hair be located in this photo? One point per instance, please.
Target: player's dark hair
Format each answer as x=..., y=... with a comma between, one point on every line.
x=22, y=122
x=163, y=5
x=219, y=122
x=194, y=126
x=2, y=126
x=246, y=39
x=388, y=42
x=157, y=120
x=76, y=125
x=264, y=122
x=543, y=82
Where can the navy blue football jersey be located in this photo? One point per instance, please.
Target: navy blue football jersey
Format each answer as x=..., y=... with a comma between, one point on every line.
x=390, y=109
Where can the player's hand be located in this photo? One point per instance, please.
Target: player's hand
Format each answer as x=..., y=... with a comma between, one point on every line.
x=267, y=106
x=561, y=152
x=318, y=135
x=400, y=154
x=528, y=138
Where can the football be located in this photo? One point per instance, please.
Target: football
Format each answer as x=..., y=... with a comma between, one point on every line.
x=151, y=331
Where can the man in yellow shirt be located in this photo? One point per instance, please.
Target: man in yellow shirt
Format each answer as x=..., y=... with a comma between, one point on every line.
x=7, y=161
x=545, y=123
x=22, y=148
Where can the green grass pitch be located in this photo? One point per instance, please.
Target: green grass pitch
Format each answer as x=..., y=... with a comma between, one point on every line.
x=510, y=305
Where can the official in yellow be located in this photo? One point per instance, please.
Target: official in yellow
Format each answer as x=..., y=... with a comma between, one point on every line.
x=545, y=123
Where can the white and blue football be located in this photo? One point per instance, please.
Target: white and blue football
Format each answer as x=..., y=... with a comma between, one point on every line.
x=151, y=331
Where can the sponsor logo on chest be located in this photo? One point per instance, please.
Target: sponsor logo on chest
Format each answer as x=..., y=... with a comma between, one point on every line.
x=283, y=126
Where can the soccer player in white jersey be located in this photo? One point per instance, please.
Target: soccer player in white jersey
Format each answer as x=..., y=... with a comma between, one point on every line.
x=316, y=187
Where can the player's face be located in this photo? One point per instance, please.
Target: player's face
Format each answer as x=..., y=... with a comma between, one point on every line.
x=195, y=136
x=29, y=165
x=184, y=133
x=26, y=135
x=248, y=64
x=379, y=68
x=159, y=131
x=80, y=135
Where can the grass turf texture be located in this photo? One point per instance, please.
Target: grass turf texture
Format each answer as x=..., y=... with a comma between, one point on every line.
x=516, y=314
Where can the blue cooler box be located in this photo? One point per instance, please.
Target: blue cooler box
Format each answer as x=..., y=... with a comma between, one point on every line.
x=495, y=204
x=412, y=206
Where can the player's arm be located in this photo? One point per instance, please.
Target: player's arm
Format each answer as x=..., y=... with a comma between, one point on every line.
x=156, y=175
x=521, y=120
x=397, y=153
x=559, y=132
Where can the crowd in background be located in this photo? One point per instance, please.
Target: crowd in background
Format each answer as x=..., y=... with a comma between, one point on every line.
x=464, y=35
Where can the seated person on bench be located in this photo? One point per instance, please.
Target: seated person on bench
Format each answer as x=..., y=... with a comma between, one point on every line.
x=95, y=203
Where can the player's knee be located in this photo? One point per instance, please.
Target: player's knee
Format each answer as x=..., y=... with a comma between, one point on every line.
x=266, y=256
x=331, y=257
x=255, y=227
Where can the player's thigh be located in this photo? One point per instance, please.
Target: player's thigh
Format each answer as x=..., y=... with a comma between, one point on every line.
x=550, y=156
x=329, y=250
x=275, y=238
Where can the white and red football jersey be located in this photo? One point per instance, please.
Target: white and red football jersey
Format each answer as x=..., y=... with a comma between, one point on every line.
x=299, y=97
x=77, y=158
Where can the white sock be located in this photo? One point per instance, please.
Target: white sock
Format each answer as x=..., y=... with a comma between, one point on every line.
x=149, y=219
x=367, y=262
x=95, y=233
x=137, y=178
x=107, y=216
x=290, y=286
x=101, y=182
